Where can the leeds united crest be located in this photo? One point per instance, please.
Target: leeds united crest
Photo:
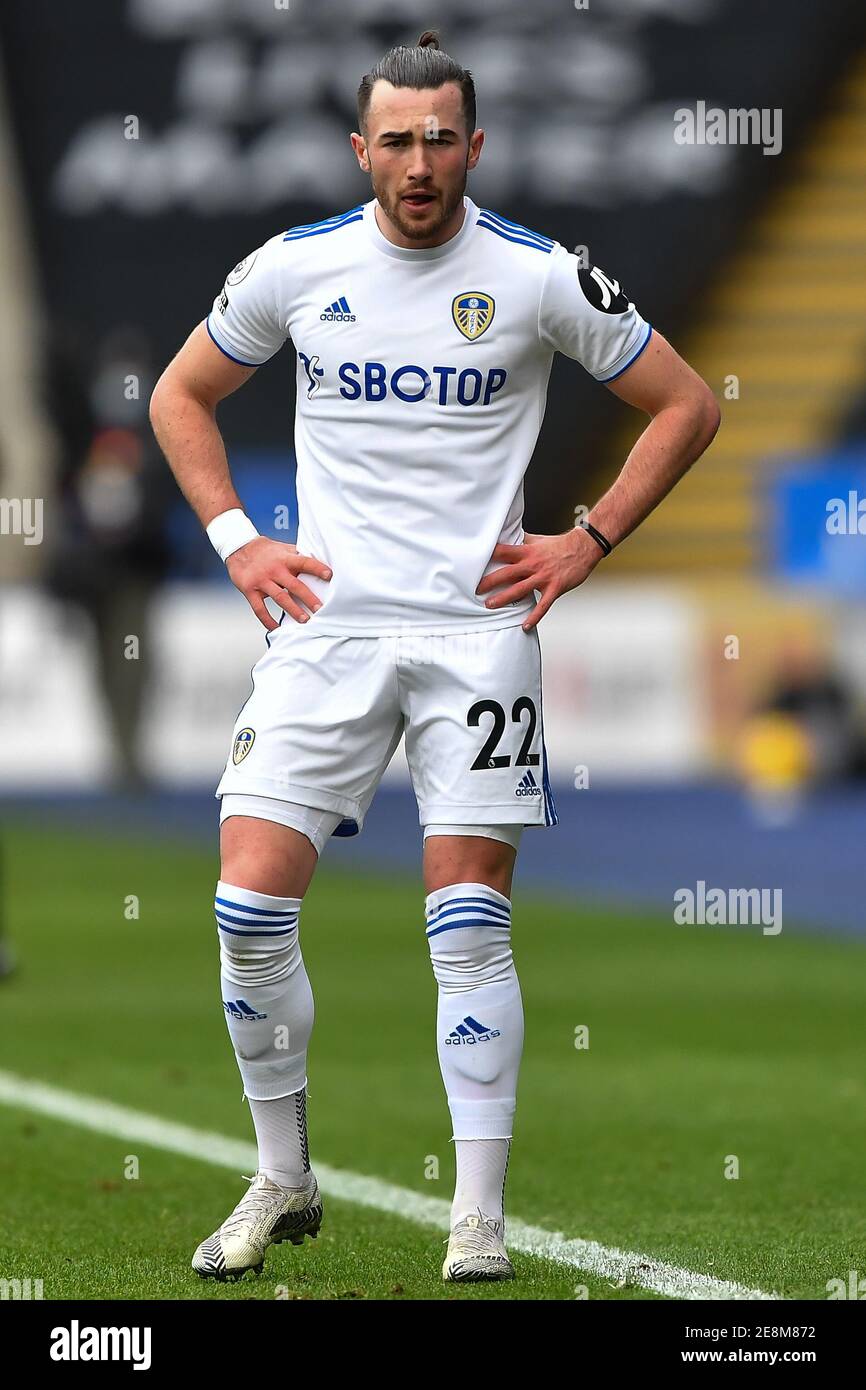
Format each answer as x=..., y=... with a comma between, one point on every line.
x=473, y=313
x=243, y=744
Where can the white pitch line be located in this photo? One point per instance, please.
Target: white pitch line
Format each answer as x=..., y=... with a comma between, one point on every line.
x=585, y=1256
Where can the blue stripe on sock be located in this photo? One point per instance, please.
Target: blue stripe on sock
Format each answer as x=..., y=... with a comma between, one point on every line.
x=502, y=914
x=257, y=911
x=254, y=927
x=487, y=902
x=477, y=922
x=287, y=919
x=283, y=931
x=446, y=918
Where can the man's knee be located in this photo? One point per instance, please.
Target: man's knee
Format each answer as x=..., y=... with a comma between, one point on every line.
x=470, y=857
x=266, y=857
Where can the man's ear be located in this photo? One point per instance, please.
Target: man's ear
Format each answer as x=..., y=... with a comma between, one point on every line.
x=359, y=145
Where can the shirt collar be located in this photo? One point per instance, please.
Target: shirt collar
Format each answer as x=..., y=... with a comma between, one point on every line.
x=427, y=253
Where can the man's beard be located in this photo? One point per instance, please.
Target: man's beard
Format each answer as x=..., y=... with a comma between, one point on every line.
x=393, y=209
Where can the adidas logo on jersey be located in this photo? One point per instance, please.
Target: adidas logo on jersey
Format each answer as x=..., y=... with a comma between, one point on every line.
x=338, y=312
x=470, y=1031
x=239, y=1008
x=527, y=786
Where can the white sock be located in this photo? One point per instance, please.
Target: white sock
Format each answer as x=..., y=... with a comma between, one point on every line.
x=480, y=1012
x=281, y=1133
x=268, y=1004
x=481, y=1168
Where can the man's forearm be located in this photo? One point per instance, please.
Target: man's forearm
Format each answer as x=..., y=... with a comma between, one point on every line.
x=187, y=432
x=670, y=444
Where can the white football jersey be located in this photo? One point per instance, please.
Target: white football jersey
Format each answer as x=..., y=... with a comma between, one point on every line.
x=421, y=387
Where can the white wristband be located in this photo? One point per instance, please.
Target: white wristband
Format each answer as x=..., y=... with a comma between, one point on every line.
x=229, y=531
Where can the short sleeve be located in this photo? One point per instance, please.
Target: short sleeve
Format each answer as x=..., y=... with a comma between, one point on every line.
x=247, y=320
x=587, y=315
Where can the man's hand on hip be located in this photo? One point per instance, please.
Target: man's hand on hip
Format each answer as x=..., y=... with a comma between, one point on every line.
x=269, y=569
x=551, y=564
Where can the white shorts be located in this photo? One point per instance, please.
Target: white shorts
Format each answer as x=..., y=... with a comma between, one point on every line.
x=327, y=712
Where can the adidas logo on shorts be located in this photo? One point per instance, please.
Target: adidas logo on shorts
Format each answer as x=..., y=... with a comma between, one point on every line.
x=527, y=786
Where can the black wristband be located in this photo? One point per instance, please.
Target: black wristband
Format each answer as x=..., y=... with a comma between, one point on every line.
x=596, y=536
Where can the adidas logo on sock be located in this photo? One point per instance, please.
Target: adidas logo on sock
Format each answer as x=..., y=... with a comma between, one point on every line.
x=239, y=1008
x=470, y=1031
x=527, y=786
x=338, y=312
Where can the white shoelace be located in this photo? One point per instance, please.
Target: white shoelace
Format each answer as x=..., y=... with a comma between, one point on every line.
x=253, y=1204
x=476, y=1239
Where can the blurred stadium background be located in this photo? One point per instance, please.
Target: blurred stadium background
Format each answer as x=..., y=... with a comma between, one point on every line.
x=705, y=694
x=734, y=601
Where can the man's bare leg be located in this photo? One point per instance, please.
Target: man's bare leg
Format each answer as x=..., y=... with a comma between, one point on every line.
x=265, y=856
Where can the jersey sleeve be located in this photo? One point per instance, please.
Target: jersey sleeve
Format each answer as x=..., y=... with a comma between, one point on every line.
x=248, y=318
x=586, y=314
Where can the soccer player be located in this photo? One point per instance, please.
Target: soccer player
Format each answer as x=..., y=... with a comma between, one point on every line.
x=424, y=328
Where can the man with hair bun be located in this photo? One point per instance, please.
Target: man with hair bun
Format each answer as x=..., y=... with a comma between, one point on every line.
x=424, y=328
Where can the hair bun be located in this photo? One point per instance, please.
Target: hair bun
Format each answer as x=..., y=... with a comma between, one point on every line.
x=429, y=39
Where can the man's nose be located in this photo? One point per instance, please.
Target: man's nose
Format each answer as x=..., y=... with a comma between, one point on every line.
x=419, y=163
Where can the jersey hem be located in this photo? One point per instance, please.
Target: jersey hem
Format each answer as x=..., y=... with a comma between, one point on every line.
x=414, y=630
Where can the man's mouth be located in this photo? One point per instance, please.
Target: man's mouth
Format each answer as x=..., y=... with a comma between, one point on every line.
x=418, y=200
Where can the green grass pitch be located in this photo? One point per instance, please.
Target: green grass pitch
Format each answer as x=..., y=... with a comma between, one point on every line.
x=703, y=1043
